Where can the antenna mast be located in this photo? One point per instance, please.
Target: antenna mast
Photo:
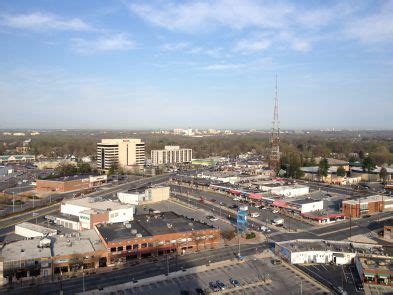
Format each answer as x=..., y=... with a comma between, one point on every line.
x=275, y=137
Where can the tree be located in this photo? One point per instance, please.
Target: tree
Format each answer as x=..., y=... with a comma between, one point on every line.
x=368, y=164
x=65, y=169
x=84, y=168
x=293, y=166
x=323, y=168
x=341, y=171
x=112, y=170
x=383, y=174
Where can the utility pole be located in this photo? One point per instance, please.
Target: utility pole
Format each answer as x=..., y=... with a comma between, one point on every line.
x=13, y=202
x=83, y=279
x=167, y=264
x=301, y=287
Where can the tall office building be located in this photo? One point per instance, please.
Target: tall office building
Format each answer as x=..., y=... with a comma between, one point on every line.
x=171, y=155
x=124, y=153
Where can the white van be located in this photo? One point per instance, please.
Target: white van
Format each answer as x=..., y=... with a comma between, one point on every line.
x=254, y=214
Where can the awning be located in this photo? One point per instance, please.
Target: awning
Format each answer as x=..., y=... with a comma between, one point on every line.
x=370, y=275
x=383, y=276
x=255, y=196
x=279, y=203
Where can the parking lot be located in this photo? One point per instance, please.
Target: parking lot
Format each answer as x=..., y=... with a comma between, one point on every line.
x=284, y=281
x=265, y=215
x=185, y=210
x=334, y=276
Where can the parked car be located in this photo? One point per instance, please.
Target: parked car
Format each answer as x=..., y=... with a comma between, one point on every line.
x=221, y=285
x=211, y=218
x=214, y=286
x=234, y=282
x=200, y=291
x=275, y=211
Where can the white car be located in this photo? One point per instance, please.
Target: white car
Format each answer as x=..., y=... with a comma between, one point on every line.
x=236, y=199
x=275, y=211
x=254, y=214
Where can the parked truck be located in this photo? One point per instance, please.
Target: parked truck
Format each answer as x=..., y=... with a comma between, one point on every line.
x=278, y=221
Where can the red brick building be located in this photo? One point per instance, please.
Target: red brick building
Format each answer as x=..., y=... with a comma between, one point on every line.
x=363, y=206
x=69, y=183
x=157, y=234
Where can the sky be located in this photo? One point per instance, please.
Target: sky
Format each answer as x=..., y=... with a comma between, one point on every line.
x=196, y=64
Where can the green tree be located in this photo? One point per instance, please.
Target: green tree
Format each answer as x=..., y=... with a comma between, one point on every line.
x=323, y=168
x=341, y=171
x=383, y=175
x=84, y=168
x=368, y=164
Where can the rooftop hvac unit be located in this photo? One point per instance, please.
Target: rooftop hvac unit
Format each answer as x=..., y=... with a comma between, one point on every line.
x=138, y=235
x=69, y=243
x=128, y=225
x=134, y=231
x=169, y=225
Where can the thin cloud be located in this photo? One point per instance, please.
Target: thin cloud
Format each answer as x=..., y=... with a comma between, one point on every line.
x=375, y=28
x=252, y=45
x=40, y=21
x=117, y=42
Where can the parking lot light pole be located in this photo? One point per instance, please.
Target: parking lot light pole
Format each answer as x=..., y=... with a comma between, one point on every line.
x=301, y=287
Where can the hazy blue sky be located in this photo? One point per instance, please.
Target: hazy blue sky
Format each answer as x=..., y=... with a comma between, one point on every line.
x=164, y=64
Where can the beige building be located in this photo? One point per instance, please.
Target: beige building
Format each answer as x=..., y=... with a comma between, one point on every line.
x=126, y=153
x=171, y=155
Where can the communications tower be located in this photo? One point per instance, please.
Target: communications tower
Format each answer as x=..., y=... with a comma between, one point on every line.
x=274, y=162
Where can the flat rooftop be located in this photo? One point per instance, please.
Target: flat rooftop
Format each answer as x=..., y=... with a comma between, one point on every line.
x=63, y=216
x=97, y=204
x=37, y=228
x=24, y=249
x=303, y=201
x=377, y=263
x=302, y=245
x=374, y=198
x=150, y=225
x=66, y=178
x=76, y=243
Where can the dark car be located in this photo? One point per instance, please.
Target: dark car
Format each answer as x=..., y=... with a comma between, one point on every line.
x=234, y=282
x=214, y=287
x=213, y=200
x=200, y=291
x=221, y=285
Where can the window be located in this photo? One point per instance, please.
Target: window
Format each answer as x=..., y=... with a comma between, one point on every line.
x=136, y=246
x=120, y=248
x=128, y=247
x=113, y=249
x=149, y=245
x=144, y=245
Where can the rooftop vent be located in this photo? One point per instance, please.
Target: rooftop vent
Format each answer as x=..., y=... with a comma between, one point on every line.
x=134, y=231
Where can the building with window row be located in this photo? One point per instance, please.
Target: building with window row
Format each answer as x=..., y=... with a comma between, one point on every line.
x=171, y=155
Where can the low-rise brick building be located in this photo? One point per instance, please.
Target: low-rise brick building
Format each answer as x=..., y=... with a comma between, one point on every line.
x=156, y=234
x=355, y=208
x=69, y=183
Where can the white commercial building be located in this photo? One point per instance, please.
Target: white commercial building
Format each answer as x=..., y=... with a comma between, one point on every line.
x=322, y=251
x=148, y=196
x=286, y=190
x=30, y=230
x=171, y=155
x=124, y=153
x=95, y=210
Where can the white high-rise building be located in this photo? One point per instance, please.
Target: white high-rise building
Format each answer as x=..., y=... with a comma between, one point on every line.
x=128, y=153
x=171, y=155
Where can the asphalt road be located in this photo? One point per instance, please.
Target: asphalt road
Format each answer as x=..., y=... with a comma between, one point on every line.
x=136, y=272
x=7, y=224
